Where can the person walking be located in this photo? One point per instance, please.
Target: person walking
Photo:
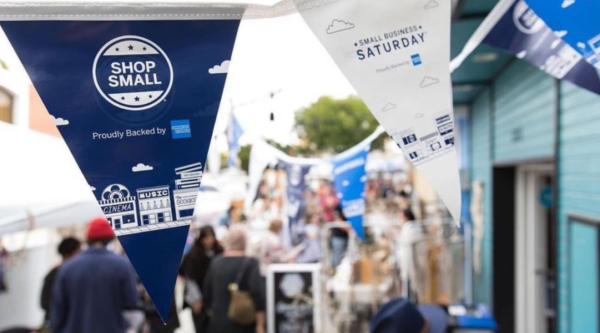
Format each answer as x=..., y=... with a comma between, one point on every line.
x=229, y=276
x=68, y=248
x=93, y=289
x=194, y=268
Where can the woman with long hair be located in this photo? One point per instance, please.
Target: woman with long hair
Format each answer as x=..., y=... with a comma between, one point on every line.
x=194, y=268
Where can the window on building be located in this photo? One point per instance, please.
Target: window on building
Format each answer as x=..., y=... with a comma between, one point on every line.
x=152, y=218
x=168, y=217
x=161, y=217
x=110, y=222
x=145, y=219
x=186, y=212
x=128, y=219
x=5, y=106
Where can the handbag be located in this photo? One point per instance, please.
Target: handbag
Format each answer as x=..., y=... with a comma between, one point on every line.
x=242, y=309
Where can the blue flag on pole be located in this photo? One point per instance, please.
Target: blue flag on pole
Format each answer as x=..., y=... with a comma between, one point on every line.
x=349, y=180
x=576, y=21
x=296, y=183
x=134, y=101
x=234, y=133
x=521, y=32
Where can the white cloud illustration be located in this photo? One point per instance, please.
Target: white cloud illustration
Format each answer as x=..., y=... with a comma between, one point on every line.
x=223, y=68
x=340, y=195
x=142, y=167
x=431, y=4
x=92, y=188
x=339, y=25
x=345, y=183
x=60, y=121
x=419, y=115
x=428, y=81
x=363, y=179
x=567, y=3
x=388, y=107
x=581, y=45
x=560, y=34
x=521, y=54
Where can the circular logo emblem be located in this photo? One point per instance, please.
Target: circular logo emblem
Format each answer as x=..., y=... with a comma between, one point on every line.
x=132, y=73
x=526, y=20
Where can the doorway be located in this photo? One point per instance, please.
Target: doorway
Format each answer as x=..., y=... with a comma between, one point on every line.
x=534, y=265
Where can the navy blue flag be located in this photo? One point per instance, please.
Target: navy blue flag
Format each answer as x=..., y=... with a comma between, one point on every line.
x=296, y=174
x=349, y=179
x=521, y=32
x=136, y=103
x=576, y=21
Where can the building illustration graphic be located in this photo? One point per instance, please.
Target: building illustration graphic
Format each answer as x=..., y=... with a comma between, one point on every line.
x=119, y=207
x=186, y=190
x=154, y=205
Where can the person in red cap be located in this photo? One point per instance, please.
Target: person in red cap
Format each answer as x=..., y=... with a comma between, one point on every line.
x=93, y=289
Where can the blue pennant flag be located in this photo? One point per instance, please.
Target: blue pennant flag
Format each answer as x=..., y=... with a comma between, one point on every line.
x=349, y=180
x=576, y=21
x=521, y=32
x=234, y=133
x=295, y=204
x=136, y=102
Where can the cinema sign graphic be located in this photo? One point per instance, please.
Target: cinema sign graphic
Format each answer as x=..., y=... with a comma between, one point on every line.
x=132, y=73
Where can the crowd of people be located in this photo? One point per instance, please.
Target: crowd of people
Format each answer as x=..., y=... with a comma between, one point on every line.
x=94, y=289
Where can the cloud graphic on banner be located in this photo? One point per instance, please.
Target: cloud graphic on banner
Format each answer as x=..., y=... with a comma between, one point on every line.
x=363, y=179
x=223, y=68
x=419, y=115
x=345, y=183
x=142, y=167
x=560, y=34
x=388, y=107
x=431, y=4
x=92, y=188
x=581, y=45
x=567, y=3
x=428, y=81
x=339, y=25
x=210, y=110
x=521, y=54
x=60, y=121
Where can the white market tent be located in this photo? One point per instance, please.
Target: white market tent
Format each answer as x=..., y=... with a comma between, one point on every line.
x=39, y=175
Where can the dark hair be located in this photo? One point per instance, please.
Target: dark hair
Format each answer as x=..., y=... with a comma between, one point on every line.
x=68, y=246
x=340, y=212
x=410, y=216
x=196, y=262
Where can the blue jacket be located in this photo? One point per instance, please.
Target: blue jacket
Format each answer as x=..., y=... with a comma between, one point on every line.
x=91, y=292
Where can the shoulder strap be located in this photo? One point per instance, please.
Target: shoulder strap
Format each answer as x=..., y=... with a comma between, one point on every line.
x=240, y=273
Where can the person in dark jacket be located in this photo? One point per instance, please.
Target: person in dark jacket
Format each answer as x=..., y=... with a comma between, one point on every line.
x=93, y=289
x=224, y=271
x=194, y=268
x=68, y=248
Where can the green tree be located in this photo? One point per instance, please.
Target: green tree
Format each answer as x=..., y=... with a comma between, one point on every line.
x=336, y=125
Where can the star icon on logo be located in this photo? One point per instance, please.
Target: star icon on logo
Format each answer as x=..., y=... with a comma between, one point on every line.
x=130, y=47
x=137, y=99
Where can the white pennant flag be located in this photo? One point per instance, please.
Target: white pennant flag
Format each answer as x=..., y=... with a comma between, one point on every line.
x=396, y=54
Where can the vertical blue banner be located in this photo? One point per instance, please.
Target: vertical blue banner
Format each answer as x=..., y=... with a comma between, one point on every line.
x=234, y=133
x=349, y=179
x=296, y=174
x=136, y=102
x=521, y=32
x=576, y=21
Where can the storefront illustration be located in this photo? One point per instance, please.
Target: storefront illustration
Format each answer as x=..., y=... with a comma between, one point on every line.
x=186, y=190
x=119, y=207
x=155, y=205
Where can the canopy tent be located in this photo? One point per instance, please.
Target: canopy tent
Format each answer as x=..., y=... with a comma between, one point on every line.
x=39, y=175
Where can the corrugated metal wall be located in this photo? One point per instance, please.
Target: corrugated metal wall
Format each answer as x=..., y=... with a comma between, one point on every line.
x=523, y=114
x=520, y=115
x=579, y=174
